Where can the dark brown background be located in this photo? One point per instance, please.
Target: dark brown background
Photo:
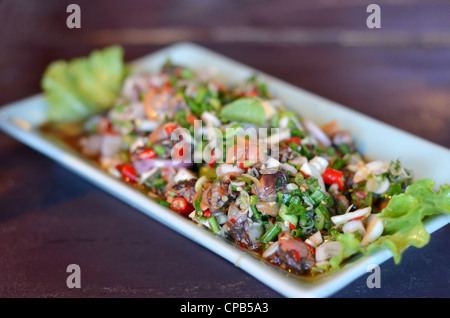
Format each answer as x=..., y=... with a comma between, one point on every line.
x=50, y=218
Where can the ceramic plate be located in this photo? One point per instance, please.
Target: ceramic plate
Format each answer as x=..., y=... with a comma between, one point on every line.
x=375, y=139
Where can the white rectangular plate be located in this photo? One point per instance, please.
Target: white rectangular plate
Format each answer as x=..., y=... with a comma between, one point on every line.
x=376, y=139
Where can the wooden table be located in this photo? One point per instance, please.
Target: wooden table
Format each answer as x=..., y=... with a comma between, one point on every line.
x=51, y=218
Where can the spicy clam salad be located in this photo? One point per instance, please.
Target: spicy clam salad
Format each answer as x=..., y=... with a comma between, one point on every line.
x=235, y=159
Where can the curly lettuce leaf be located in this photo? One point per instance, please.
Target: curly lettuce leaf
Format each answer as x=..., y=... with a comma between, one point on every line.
x=350, y=245
x=404, y=217
x=83, y=86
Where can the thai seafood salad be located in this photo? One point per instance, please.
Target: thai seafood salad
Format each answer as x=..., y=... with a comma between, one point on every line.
x=237, y=161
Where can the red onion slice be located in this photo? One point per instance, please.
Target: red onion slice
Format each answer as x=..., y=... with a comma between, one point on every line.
x=147, y=164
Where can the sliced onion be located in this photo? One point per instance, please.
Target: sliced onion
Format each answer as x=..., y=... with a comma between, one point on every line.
x=317, y=133
x=258, y=184
x=200, y=182
x=147, y=164
x=225, y=168
x=147, y=174
x=344, y=218
x=271, y=250
x=289, y=168
x=222, y=218
x=373, y=230
x=372, y=185
x=327, y=250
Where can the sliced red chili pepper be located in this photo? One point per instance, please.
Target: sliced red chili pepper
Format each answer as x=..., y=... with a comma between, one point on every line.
x=295, y=140
x=219, y=86
x=296, y=255
x=252, y=93
x=191, y=119
x=304, y=174
x=358, y=218
x=207, y=214
x=128, y=172
x=333, y=176
x=170, y=128
x=212, y=163
x=241, y=163
x=105, y=126
x=181, y=205
x=232, y=220
x=109, y=129
x=148, y=153
x=291, y=226
x=166, y=173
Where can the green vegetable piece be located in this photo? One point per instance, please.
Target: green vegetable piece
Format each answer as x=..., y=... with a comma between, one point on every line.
x=159, y=183
x=215, y=103
x=213, y=224
x=350, y=245
x=322, y=218
x=209, y=172
x=164, y=203
x=344, y=148
x=404, y=215
x=303, y=220
x=85, y=86
x=187, y=73
x=256, y=213
x=317, y=196
x=254, y=199
x=245, y=109
x=287, y=217
x=201, y=93
x=159, y=150
x=271, y=233
x=197, y=207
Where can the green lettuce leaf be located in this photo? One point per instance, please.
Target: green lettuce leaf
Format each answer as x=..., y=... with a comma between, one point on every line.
x=405, y=213
x=83, y=86
x=350, y=245
x=248, y=110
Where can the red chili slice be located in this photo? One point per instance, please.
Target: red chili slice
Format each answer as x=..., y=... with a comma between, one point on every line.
x=333, y=176
x=252, y=93
x=191, y=119
x=170, y=128
x=181, y=205
x=295, y=140
x=148, y=153
x=128, y=172
x=358, y=218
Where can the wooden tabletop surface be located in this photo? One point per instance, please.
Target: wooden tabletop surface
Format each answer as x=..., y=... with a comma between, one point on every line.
x=50, y=218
